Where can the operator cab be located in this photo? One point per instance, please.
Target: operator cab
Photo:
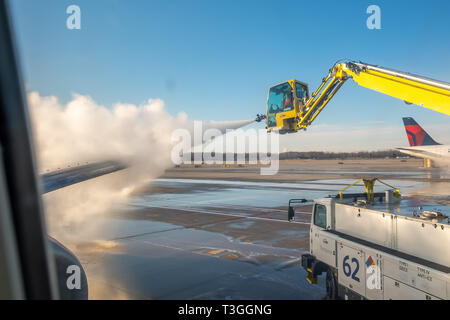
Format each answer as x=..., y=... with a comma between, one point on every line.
x=284, y=102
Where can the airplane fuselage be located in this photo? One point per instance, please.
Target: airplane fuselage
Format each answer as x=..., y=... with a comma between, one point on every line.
x=438, y=152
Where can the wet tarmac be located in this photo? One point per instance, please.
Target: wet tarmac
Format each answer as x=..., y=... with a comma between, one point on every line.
x=164, y=261
x=209, y=238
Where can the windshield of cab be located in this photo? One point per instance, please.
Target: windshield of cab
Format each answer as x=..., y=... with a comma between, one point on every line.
x=301, y=91
x=280, y=100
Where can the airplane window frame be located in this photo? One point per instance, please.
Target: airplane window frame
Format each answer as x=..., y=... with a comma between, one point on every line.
x=36, y=263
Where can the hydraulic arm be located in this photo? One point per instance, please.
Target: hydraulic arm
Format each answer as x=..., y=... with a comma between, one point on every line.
x=290, y=108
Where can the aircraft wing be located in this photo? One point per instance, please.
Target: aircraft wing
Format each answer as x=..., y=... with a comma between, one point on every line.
x=55, y=180
x=62, y=178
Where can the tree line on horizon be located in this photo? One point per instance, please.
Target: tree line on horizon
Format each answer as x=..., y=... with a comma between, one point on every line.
x=318, y=155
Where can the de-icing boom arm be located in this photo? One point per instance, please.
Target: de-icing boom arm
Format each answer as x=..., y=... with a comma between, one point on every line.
x=412, y=89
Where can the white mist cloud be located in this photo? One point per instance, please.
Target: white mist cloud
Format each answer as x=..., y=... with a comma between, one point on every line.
x=83, y=130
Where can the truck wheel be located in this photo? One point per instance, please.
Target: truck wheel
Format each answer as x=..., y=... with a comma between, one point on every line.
x=331, y=285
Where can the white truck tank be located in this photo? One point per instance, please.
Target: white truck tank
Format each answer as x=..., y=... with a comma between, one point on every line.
x=397, y=226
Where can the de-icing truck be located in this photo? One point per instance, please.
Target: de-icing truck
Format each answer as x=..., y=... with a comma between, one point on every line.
x=376, y=246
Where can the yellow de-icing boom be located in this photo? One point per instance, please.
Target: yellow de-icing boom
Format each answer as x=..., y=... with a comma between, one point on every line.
x=289, y=107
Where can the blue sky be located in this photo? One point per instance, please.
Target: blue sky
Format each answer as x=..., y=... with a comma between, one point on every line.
x=215, y=59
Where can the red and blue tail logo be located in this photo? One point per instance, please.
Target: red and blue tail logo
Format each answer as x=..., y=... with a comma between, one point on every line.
x=416, y=135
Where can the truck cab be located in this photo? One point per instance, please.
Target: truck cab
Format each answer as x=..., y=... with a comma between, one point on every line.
x=322, y=219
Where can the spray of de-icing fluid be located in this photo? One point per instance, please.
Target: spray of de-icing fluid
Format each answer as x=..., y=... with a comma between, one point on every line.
x=83, y=131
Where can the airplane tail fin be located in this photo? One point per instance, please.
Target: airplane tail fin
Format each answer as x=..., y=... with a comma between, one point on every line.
x=416, y=135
